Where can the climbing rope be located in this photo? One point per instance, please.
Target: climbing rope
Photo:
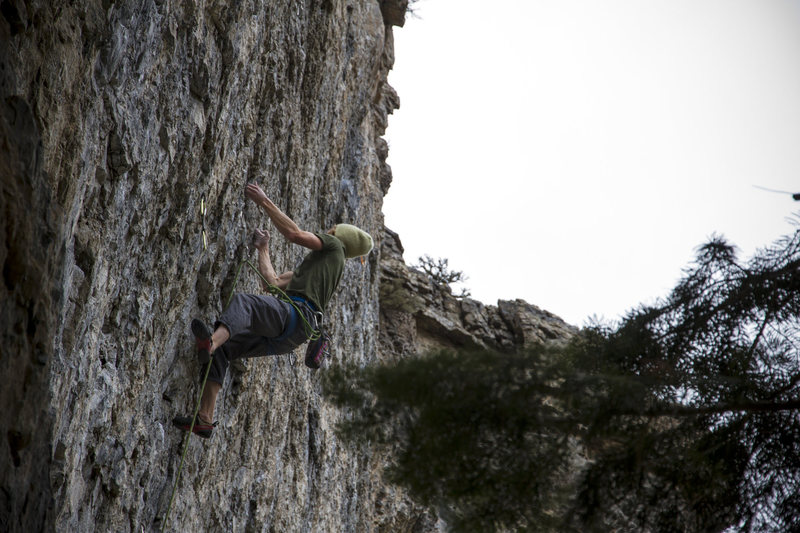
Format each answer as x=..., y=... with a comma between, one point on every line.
x=311, y=332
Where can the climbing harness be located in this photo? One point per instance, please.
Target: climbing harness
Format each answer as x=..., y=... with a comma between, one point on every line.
x=314, y=333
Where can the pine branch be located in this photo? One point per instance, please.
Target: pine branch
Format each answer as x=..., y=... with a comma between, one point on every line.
x=736, y=407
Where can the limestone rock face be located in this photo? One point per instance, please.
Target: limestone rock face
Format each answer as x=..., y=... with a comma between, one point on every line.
x=417, y=315
x=118, y=120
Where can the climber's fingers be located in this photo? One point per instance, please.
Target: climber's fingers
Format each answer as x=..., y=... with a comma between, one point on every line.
x=254, y=193
x=260, y=238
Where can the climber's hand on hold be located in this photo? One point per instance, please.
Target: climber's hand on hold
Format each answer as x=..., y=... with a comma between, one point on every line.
x=283, y=223
x=260, y=239
x=254, y=192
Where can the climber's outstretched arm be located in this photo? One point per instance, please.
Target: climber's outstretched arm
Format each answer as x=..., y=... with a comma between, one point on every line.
x=285, y=225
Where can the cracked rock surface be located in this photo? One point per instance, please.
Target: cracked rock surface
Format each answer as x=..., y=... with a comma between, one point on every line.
x=118, y=120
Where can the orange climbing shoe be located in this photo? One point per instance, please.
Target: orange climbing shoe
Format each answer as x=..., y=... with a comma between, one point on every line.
x=201, y=429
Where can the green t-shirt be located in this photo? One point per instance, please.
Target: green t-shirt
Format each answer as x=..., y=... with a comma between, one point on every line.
x=318, y=275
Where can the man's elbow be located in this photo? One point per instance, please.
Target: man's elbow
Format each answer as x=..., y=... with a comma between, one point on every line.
x=305, y=239
x=284, y=279
x=294, y=236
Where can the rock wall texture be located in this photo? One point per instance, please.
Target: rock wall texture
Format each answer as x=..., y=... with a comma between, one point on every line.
x=118, y=120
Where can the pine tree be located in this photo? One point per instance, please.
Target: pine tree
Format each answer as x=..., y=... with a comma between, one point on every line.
x=684, y=417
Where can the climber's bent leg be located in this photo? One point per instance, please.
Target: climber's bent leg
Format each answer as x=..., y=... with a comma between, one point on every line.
x=208, y=402
x=251, y=326
x=255, y=314
x=251, y=322
x=219, y=337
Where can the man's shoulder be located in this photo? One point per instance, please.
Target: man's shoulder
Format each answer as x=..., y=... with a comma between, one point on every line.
x=329, y=242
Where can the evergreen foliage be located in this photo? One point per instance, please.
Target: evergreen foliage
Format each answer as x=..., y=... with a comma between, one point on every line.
x=705, y=420
x=686, y=414
x=469, y=433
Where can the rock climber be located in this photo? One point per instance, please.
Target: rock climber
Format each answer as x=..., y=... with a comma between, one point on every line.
x=256, y=325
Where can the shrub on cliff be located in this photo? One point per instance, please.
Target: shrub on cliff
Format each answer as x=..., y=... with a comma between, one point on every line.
x=684, y=417
x=438, y=271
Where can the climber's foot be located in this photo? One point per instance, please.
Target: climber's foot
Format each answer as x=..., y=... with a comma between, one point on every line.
x=201, y=428
x=202, y=335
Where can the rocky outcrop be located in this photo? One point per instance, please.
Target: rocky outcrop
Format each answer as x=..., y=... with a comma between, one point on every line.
x=418, y=315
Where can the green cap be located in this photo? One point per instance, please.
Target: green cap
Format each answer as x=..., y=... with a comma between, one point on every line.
x=356, y=241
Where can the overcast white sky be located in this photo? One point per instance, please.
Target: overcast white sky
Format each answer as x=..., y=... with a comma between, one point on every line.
x=574, y=153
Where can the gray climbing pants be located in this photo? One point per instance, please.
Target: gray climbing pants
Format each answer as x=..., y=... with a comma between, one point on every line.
x=259, y=325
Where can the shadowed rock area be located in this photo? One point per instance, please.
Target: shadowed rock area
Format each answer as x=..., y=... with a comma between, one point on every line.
x=118, y=119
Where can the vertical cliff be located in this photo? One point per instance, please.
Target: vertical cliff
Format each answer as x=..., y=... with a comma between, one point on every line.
x=117, y=119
